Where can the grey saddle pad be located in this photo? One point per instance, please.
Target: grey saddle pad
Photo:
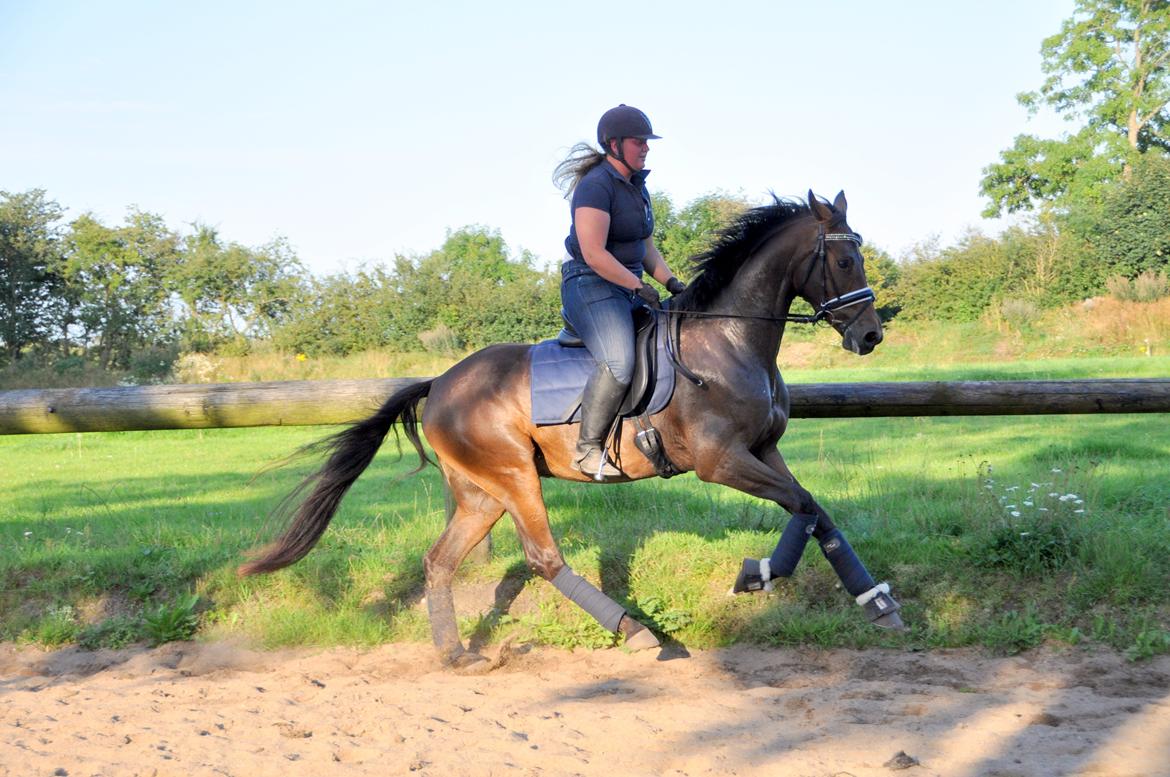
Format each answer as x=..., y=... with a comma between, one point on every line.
x=559, y=375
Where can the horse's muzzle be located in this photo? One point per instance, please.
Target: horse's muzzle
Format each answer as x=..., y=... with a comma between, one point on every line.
x=861, y=337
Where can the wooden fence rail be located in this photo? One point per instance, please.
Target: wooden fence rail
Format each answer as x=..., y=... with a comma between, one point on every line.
x=301, y=403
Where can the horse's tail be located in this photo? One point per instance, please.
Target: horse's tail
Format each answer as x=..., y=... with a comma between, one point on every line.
x=350, y=452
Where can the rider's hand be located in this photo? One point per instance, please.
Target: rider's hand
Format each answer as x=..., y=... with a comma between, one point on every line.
x=649, y=294
x=675, y=286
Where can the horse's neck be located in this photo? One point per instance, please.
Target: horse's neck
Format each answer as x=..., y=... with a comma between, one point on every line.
x=761, y=288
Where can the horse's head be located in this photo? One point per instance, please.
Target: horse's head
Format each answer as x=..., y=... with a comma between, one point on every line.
x=833, y=281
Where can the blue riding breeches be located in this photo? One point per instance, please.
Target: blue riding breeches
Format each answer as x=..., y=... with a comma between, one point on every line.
x=602, y=314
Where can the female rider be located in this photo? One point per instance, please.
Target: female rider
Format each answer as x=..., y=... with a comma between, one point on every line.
x=610, y=245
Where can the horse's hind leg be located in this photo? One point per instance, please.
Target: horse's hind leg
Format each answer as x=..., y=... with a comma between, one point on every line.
x=526, y=505
x=475, y=513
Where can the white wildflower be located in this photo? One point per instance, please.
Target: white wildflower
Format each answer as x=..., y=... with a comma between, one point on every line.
x=1015, y=513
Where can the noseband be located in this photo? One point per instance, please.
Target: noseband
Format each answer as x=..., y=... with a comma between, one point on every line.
x=840, y=301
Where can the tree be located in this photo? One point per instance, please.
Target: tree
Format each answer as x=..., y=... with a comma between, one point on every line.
x=30, y=246
x=230, y=292
x=116, y=287
x=689, y=232
x=882, y=273
x=345, y=313
x=468, y=293
x=472, y=286
x=1107, y=68
x=1132, y=234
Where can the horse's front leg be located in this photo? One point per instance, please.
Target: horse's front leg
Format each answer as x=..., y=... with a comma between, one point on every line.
x=768, y=477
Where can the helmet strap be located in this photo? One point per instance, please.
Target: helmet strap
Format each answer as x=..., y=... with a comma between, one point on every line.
x=619, y=156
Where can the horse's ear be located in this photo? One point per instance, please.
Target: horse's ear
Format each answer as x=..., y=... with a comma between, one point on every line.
x=820, y=210
x=839, y=202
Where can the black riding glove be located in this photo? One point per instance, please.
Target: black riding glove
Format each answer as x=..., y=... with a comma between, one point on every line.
x=649, y=294
x=675, y=286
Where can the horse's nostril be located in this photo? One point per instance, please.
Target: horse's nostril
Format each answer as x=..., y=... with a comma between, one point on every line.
x=872, y=337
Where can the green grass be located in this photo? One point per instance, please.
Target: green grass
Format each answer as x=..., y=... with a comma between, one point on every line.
x=109, y=539
x=1033, y=369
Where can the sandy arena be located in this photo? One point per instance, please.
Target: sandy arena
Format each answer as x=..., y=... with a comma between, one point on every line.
x=219, y=709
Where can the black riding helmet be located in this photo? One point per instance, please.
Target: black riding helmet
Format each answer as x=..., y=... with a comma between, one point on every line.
x=624, y=121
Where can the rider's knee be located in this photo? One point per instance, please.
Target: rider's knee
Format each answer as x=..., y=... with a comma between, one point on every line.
x=622, y=369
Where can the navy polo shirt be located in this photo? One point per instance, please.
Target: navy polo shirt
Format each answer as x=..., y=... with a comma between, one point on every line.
x=631, y=219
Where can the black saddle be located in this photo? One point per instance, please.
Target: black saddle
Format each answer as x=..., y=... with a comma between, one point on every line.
x=641, y=388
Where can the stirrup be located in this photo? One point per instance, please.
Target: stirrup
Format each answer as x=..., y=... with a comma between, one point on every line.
x=600, y=469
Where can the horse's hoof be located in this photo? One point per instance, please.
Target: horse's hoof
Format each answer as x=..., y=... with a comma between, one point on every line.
x=642, y=640
x=891, y=621
x=637, y=636
x=471, y=663
x=750, y=579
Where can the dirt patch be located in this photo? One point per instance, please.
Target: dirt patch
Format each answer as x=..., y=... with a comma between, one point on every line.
x=218, y=708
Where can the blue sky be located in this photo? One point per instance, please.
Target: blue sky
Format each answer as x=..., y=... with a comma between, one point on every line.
x=361, y=130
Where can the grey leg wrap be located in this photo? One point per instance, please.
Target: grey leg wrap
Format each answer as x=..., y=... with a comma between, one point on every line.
x=582, y=593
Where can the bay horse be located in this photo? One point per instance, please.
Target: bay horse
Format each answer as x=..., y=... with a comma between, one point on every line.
x=723, y=425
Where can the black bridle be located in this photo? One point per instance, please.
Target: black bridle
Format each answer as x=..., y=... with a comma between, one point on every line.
x=837, y=302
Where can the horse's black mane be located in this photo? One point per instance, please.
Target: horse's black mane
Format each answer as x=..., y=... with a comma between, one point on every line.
x=716, y=266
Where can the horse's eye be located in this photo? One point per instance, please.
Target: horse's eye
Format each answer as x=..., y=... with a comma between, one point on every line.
x=844, y=263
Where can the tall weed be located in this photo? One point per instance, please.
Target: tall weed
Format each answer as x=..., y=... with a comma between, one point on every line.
x=1149, y=286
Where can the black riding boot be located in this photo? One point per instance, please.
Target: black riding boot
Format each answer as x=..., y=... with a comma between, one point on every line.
x=599, y=406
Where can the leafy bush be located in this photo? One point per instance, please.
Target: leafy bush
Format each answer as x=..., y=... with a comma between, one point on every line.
x=111, y=633
x=153, y=365
x=172, y=622
x=1035, y=531
x=57, y=628
x=66, y=365
x=1033, y=546
x=1013, y=632
x=1149, y=642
